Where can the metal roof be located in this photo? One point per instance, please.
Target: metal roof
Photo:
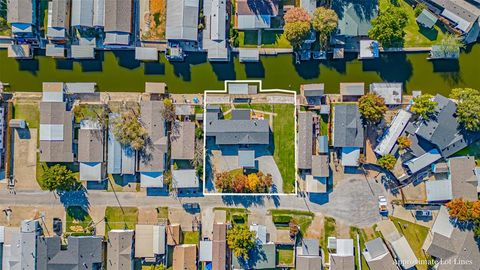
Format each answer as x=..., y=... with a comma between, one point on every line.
x=146, y=54
x=305, y=140
x=185, y=179
x=20, y=11
x=60, y=13
x=248, y=55
x=182, y=20
x=205, y=251
x=55, y=50
x=391, y=135
x=115, y=38
x=390, y=92
x=82, y=13
x=118, y=16
x=405, y=254
x=421, y=162
x=82, y=52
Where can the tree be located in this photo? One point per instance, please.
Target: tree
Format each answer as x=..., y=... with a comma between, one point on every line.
x=468, y=107
x=388, y=27
x=252, y=182
x=460, y=209
x=388, y=162
x=241, y=240
x=424, y=106
x=419, y=8
x=450, y=45
x=128, y=130
x=404, y=142
x=372, y=108
x=240, y=183
x=223, y=181
x=296, y=14
x=293, y=227
x=59, y=177
x=324, y=21
x=476, y=210
x=168, y=110
x=296, y=32
x=197, y=160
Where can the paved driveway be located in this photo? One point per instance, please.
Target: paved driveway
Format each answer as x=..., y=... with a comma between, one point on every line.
x=355, y=201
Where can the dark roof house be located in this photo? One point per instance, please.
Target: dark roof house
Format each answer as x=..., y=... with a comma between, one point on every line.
x=231, y=132
x=347, y=126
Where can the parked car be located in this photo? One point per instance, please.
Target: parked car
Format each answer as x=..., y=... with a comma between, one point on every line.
x=382, y=204
x=423, y=213
x=57, y=226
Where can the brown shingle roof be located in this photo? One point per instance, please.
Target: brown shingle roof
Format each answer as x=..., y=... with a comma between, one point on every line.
x=185, y=257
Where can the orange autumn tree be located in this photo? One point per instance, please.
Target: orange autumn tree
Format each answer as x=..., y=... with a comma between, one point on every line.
x=460, y=209
x=252, y=182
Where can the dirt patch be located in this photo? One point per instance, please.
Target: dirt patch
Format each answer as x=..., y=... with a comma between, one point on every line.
x=186, y=220
x=316, y=228
x=20, y=213
x=97, y=214
x=342, y=230
x=25, y=159
x=147, y=215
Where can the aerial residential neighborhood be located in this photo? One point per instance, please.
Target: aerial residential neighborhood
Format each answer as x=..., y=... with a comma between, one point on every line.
x=240, y=134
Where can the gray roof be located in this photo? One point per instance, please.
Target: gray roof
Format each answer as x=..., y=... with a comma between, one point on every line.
x=347, y=126
x=60, y=13
x=320, y=166
x=352, y=89
x=90, y=145
x=55, y=113
x=464, y=180
x=378, y=256
x=185, y=179
x=83, y=253
x=313, y=89
x=82, y=13
x=118, y=16
x=246, y=158
x=305, y=138
x=376, y=247
x=20, y=11
x=444, y=131
x=239, y=131
x=119, y=249
x=183, y=140
x=18, y=255
x=448, y=242
x=390, y=92
x=308, y=262
x=426, y=19
x=310, y=247
x=248, y=55
x=342, y=262
x=182, y=19
x=261, y=257
x=322, y=142
x=354, y=18
x=464, y=13
x=218, y=19
x=240, y=114
x=153, y=157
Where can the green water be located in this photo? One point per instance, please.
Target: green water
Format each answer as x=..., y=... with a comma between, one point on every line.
x=118, y=71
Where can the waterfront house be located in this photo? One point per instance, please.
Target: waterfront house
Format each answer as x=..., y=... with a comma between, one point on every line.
x=56, y=125
x=388, y=141
x=183, y=140
x=82, y=252
x=120, y=249
x=352, y=91
x=460, y=181
x=20, y=247
x=118, y=23
x=461, y=16
x=21, y=14
x=348, y=133
x=150, y=242
x=255, y=17
x=214, y=34
x=248, y=55
x=121, y=158
x=426, y=19
x=58, y=24
x=341, y=255
x=378, y=256
x=308, y=256
x=90, y=151
x=390, y=92
x=154, y=155
x=449, y=242
x=185, y=257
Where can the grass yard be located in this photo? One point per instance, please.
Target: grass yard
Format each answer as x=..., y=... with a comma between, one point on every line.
x=285, y=255
x=78, y=221
x=274, y=39
x=415, y=235
x=364, y=237
x=324, y=125
x=162, y=212
x=42, y=166
x=120, y=218
x=191, y=237
x=27, y=111
x=414, y=35
x=87, y=111
x=472, y=150
x=303, y=218
x=248, y=38
x=328, y=230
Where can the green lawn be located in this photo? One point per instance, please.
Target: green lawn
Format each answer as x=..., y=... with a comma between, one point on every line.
x=472, y=150
x=415, y=235
x=87, y=111
x=162, y=212
x=303, y=218
x=274, y=39
x=324, y=125
x=78, y=221
x=414, y=35
x=328, y=230
x=364, y=237
x=42, y=166
x=27, y=111
x=285, y=255
x=191, y=237
x=118, y=218
x=248, y=38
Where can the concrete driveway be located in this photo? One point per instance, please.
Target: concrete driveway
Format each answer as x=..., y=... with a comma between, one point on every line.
x=25, y=159
x=354, y=201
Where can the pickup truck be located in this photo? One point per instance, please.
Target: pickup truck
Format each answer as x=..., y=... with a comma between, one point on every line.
x=382, y=204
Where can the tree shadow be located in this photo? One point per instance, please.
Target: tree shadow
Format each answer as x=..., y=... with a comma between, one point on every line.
x=307, y=69
x=365, y=9
x=245, y=201
x=74, y=198
x=77, y=213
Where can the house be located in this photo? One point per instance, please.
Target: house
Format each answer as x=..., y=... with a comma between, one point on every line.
x=447, y=242
x=378, y=256
x=150, y=241
x=56, y=125
x=404, y=253
x=390, y=137
x=461, y=182
x=58, y=20
x=120, y=249
x=417, y=164
x=182, y=20
x=153, y=157
x=22, y=250
x=82, y=252
x=305, y=140
x=146, y=54
x=312, y=93
x=214, y=35
x=342, y=254
x=185, y=257
x=426, y=19
x=21, y=14
x=308, y=256
x=369, y=49
x=255, y=17
x=462, y=16
x=354, y=18
x=213, y=253
x=121, y=159
x=348, y=133
x=352, y=91
x=185, y=181
x=90, y=151
x=118, y=23
x=174, y=234
x=183, y=140
x=390, y=92
x=248, y=55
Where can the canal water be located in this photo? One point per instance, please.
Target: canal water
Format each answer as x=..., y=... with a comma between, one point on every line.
x=119, y=71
